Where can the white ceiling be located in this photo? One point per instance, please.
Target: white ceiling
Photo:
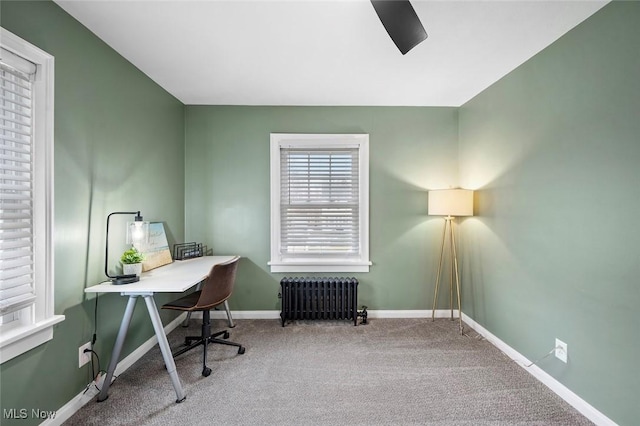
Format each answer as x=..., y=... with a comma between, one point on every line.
x=306, y=52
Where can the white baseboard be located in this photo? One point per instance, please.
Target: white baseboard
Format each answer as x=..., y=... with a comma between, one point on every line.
x=440, y=313
x=70, y=408
x=558, y=388
x=411, y=313
x=221, y=314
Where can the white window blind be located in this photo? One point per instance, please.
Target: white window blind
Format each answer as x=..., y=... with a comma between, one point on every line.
x=27, y=75
x=319, y=202
x=16, y=186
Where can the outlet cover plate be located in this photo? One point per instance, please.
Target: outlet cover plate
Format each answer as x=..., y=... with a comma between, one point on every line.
x=561, y=350
x=84, y=357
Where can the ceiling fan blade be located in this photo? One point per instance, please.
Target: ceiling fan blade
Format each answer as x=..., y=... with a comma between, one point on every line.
x=401, y=22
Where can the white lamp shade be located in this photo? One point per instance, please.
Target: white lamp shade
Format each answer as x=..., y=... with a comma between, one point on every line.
x=451, y=202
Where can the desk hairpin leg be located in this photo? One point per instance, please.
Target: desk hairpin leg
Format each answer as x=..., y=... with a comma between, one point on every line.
x=117, y=347
x=164, y=347
x=162, y=342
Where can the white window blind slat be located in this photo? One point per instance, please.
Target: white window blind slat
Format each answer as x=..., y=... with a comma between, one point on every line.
x=15, y=130
x=16, y=121
x=14, y=254
x=19, y=194
x=13, y=292
x=14, y=215
x=6, y=225
x=15, y=83
x=17, y=289
x=12, y=304
x=14, y=158
x=13, y=148
x=24, y=141
x=16, y=178
x=15, y=102
x=14, y=166
x=22, y=97
x=19, y=272
x=15, y=245
x=16, y=206
x=16, y=113
x=15, y=263
x=319, y=210
x=16, y=87
x=14, y=282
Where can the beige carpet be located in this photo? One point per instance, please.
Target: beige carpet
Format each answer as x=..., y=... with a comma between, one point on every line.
x=390, y=371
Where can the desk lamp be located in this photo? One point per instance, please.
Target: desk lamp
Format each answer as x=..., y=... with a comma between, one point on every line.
x=450, y=203
x=137, y=232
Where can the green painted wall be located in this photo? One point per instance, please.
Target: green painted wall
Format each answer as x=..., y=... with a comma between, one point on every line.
x=227, y=192
x=119, y=145
x=554, y=151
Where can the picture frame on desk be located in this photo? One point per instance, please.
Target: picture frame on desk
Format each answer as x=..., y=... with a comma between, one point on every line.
x=156, y=251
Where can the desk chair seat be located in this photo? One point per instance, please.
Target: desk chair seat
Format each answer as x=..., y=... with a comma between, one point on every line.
x=216, y=289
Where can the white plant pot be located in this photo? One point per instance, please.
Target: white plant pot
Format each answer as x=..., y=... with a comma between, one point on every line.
x=132, y=268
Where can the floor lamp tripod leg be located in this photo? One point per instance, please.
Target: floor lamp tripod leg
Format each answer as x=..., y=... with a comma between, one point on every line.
x=451, y=271
x=435, y=293
x=455, y=265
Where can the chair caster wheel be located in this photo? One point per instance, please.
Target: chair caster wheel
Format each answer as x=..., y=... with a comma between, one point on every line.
x=240, y=350
x=225, y=335
x=206, y=372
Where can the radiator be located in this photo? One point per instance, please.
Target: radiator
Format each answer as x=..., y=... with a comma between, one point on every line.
x=320, y=298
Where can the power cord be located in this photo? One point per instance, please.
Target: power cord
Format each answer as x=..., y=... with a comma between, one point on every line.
x=93, y=353
x=93, y=373
x=541, y=358
x=480, y=337
x=95, y=376
x=95, y=323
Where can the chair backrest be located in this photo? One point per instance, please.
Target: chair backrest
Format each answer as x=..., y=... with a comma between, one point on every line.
x=219, y=285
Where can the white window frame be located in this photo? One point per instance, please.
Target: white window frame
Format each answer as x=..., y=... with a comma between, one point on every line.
x=291, y=263
x=34, y=325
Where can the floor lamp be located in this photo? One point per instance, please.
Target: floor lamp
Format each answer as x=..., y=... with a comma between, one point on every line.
x=450, y=203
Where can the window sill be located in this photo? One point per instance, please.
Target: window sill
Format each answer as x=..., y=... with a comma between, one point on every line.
x=318, y=266
x=19, y=340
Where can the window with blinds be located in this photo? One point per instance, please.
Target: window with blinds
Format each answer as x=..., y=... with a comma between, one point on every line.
x=27, y=314
x=319, y=203
x=17, y=289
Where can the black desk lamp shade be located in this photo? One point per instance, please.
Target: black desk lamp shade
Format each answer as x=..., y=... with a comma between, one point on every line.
x=119, y=279
x=401, y=22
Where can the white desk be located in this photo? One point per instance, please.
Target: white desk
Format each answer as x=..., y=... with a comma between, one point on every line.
x=173, y=278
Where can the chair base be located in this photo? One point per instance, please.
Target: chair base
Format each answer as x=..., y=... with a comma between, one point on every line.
x=204, y=339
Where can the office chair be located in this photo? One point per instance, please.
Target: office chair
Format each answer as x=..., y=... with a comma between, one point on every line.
x=216, y=289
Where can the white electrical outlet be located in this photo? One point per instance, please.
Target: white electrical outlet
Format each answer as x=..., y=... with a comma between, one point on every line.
x=561, y=350
x=84, y=357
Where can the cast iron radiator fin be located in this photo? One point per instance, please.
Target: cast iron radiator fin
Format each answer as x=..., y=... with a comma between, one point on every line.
x=320, y=298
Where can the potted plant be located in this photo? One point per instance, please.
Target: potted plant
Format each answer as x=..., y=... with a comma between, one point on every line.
x=132, y=262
